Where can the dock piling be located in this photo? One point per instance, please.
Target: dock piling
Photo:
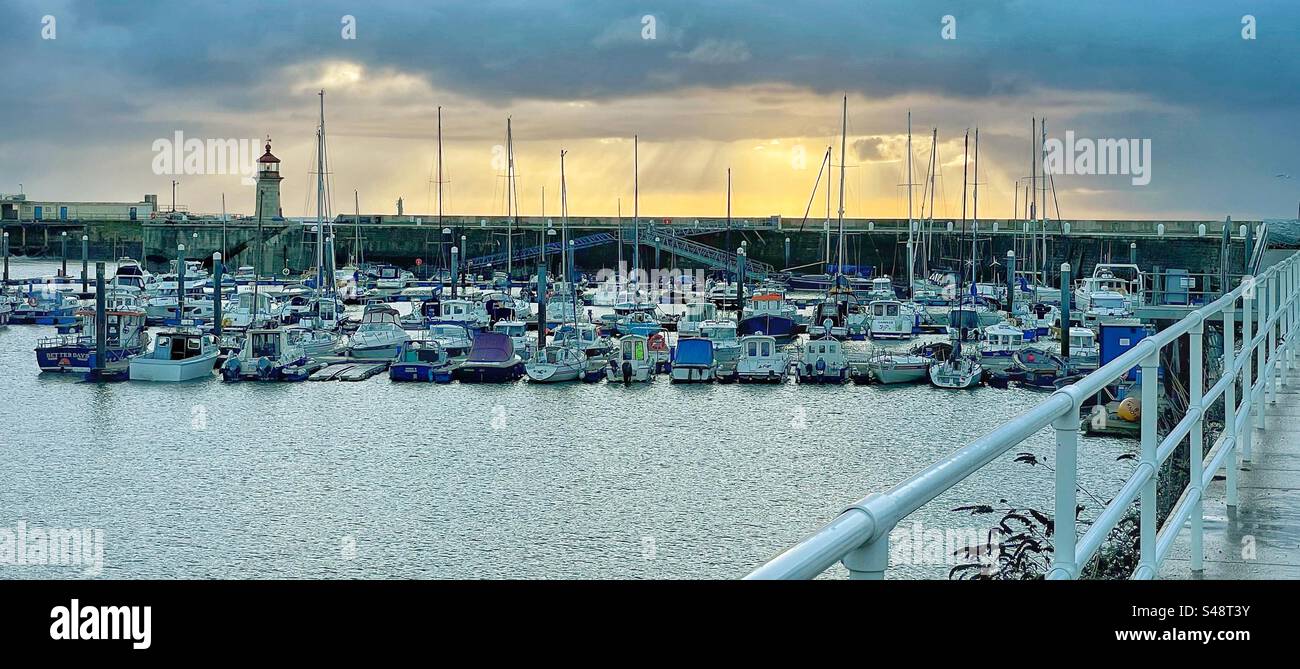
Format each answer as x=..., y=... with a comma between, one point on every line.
x=101, y=319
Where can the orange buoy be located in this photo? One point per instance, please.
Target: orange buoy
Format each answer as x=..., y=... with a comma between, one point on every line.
x=1130, y=409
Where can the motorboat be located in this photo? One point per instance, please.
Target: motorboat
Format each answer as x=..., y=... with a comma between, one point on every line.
x=694, y=361
x=44, y=307
x=517, y=331
x=491, y=359
x=823, y=361
x=177, y=355
x=881, y=288
x=241, y=313
x=890, y=319
x=1113, y=292
x=267, y=354
x=998, y=343
x=454, y=339
x=892, y=367
x=470, y=314
x=639, y=323
x=761, y=360
x=726, y=345
x=422, y=360
x=317, y=342
x=380, y=334
x=633, y=361
x=694, y=314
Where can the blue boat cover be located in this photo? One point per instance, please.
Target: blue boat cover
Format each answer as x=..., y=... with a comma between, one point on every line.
x=491, y=347
x=694, y=352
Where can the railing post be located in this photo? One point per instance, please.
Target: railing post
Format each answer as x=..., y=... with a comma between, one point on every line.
x=1270, y=383
x=1196, y=439
x=1150, y=400
x=1247, y=384
x=1230, y=409
x=869, y=561
x=1067, y=462
x=1261, y=354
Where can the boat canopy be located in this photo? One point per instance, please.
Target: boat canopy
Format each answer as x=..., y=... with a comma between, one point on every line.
x=491, y=347
x=694, y=352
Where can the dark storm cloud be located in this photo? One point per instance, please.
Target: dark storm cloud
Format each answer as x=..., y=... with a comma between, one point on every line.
x=1178, y=52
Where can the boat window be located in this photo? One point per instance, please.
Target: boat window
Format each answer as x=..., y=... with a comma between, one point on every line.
x=753, y=348
x=767, y=348
x=640, y=350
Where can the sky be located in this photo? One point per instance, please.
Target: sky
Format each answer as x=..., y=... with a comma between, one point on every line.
x=92, y=88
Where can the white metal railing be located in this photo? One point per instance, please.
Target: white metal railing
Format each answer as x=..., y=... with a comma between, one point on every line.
x=859, y=537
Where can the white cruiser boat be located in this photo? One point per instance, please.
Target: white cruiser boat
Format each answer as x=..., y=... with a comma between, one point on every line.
x=556, y=363
x=956, y=373
x=823, y=361
x=1113, y=292
x=890, y=367
x=695, y=314
x=632, y=362
x=380, y=335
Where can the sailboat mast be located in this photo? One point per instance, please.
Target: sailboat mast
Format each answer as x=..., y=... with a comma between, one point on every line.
x=844, y=136
x=829, y=149
x=961, y=256
x=934, y=157
x=439, y=167
x=636, y=212
x=975, y=214
x=564, y=236
x=911, y=257
x=320, y=199
x=356, y=205
x=510, y=204
x=727, y=278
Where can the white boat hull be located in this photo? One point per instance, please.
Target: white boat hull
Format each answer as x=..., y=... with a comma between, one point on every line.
x=198, y=367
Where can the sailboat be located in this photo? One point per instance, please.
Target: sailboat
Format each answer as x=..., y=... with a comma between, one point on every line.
x=562, y=360
x=839, y=314
x=957, y=371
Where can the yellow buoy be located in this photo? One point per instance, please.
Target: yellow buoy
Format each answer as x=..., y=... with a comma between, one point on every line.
x=1130, y=409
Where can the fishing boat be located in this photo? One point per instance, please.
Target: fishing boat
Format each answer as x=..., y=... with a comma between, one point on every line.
x=633, y=361
x=761, y=360
x=891, y=367
x=380, y=334
x=491, y=359
x=958, y=372
x=694, y=314
x=454, y=339
x=890, y=319
x=125, y=336
x=421, y=360
x=881, y=288
x=556, y=363
x=998, y=343
x=726, y=345
x=768, y=313
x=469, y=314
x=694, y=361
x=823, y=361
x=177, y=355
x=267, y=354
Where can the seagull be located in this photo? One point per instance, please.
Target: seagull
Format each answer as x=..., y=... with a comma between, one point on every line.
x=1282, y=176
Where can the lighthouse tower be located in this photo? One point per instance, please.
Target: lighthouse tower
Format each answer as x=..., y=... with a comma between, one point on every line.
x=268, y=185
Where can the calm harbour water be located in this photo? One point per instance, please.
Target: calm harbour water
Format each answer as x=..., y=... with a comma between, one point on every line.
x=383, y=480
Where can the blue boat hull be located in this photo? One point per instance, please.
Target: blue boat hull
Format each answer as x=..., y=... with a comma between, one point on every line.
x=74, y=358
x=782, y=328
x=419, y=372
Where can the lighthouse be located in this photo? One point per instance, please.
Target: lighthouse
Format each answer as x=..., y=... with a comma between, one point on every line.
x=268, y=185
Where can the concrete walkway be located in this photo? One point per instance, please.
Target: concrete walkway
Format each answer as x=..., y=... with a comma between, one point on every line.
x=1260, y=539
